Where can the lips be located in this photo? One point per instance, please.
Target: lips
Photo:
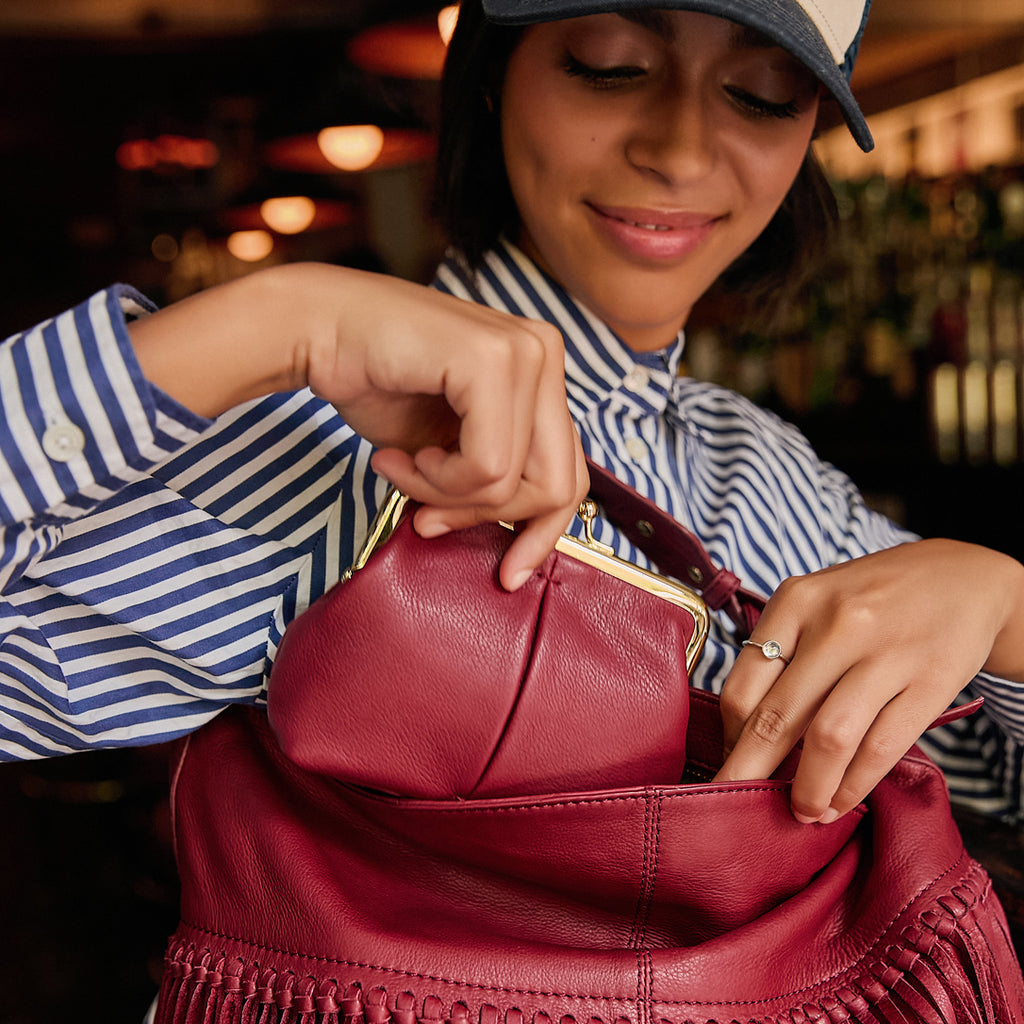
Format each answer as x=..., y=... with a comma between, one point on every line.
x=655, y=220
x=652, y=234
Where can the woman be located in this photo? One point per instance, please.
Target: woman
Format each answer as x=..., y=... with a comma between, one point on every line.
x=163, y=522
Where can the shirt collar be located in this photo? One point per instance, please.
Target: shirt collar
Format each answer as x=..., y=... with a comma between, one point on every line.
x=600, y=369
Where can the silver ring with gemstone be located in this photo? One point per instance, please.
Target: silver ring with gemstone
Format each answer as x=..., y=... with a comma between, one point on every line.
x=771, y=649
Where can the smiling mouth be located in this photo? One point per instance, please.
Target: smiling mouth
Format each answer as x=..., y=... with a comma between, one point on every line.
x=655, y=220
x=652, y=235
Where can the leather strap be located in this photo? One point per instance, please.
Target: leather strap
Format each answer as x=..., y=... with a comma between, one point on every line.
x=678, y=552
x=674, y=549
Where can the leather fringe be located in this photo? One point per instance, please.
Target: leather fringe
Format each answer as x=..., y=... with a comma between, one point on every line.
x=942, y=970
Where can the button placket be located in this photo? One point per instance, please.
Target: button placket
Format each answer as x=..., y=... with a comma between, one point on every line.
x=637, y=379
x=636, y=447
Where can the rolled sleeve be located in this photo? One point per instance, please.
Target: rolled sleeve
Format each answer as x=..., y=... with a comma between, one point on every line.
x=80, y=419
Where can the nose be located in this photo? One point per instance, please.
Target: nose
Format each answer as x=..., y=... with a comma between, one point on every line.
x=673, y=137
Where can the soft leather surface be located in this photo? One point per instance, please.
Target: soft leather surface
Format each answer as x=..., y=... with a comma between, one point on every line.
x=468, y=806
x=421, y=676
x=639, y=903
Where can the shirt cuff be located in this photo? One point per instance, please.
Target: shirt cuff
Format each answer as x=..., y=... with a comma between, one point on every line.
x=1004, y=702
x=81, y=419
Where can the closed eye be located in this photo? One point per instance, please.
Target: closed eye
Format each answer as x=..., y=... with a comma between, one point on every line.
x=602, y=78
x=758, y=107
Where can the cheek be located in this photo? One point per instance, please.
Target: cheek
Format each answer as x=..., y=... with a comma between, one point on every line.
x=549, y=138
x=768, y=172
x=523, y=136
x=545, y=160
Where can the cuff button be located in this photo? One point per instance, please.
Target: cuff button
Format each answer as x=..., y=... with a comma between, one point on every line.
x=63, y=441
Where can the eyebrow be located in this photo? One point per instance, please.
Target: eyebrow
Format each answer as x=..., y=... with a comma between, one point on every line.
x=660, y=22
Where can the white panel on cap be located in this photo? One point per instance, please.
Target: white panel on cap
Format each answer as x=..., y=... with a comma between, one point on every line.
x=838, y=21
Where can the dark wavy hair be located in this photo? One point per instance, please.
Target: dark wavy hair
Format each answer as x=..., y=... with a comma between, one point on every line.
x=475, y=203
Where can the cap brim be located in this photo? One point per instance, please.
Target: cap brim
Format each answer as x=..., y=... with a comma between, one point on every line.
x=784, y=22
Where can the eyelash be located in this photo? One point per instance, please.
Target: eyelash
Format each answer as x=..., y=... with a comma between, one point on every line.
x=763, y=108
x=610, y=78
x=601, y=78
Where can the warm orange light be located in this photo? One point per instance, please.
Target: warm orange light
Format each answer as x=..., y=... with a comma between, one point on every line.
x=351, y=147
x=168, y=151
x=251, y=246
x=304, y=154
x=446, y=20
x=165, y=248
x=288, y=215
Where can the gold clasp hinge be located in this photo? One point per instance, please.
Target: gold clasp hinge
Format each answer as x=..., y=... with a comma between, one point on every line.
x=588, y=513
x=588, y=550
x=600, y=556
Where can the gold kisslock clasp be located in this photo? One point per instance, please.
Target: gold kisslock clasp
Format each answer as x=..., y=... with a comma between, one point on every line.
x=588, y=550
x=588, y=513
x=603, y=558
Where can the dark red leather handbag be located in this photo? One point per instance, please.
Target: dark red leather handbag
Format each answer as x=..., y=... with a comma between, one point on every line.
x=474, y=807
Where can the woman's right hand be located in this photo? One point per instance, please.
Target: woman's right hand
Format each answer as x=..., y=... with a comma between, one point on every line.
x=466, y=405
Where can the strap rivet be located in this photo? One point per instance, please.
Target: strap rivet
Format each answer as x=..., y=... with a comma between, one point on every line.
x=696, y=576
x=645, y=528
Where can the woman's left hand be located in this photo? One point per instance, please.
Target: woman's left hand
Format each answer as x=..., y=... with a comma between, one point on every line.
x=877, y=649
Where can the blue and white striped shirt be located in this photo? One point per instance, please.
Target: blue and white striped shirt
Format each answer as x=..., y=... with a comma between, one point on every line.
x=147, y=577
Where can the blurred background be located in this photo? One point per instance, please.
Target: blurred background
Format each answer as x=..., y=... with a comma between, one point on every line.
x=174, y=144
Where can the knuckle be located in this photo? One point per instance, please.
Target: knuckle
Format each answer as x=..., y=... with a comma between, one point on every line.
x=855, y=617
x=573, y=487
x=500, y=487
x=579, y=490
x=789, y=586
x=810, y=808
x=797, y=592
x=564, y=496
x=734, y=708
x=834, y=737
x=499, y=351
x=768, y=725
x=545, y=335
x=846, y=797
x=810, y=591
x=528, y=347
x=878, y=752
x=490, y=468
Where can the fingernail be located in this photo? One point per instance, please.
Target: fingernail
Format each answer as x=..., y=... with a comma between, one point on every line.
x=519, y=579
x=829, y=816
x=431, y=529
x=804, y=819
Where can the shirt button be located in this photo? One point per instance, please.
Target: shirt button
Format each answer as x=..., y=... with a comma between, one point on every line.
x=637, y=449
x=637, y=378
x=63, y=441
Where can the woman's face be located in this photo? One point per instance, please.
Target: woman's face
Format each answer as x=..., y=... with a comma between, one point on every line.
x=646, y=151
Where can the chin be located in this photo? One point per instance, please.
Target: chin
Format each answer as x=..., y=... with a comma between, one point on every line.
x=646, y=318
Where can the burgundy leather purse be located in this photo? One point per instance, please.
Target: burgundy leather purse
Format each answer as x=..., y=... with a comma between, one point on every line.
x=474, y=807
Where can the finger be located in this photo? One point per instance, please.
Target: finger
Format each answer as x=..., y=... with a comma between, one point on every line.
x=497, y=402
x=540, y=534
x=542, y=469
x=486, y=388
x=542, y=521
x=542, y=515
x=849, y=752
x=771, y=730
x=532, y=545
x=750, y=681
x=831, y=742
x=443, y=479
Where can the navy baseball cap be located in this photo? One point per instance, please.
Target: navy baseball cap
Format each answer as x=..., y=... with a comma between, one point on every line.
x=824, y=35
